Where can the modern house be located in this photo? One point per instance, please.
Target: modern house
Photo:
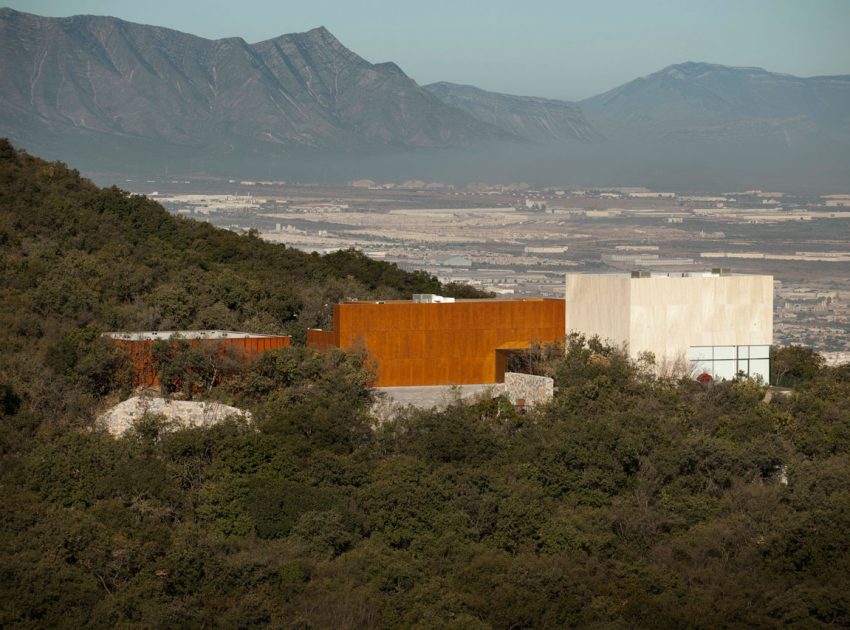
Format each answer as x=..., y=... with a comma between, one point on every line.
x=441, y=341
x=708, y=323
x=713, y=323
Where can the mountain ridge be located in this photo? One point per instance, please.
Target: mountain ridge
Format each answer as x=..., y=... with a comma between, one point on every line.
x=533, y=118
x=124, y=98
x=700, y=95
x=92, y=74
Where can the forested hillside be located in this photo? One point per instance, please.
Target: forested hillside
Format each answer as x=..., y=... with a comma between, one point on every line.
x=628, y=501
x=78, y=260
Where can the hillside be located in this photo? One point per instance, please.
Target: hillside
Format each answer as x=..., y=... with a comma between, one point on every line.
x=628, y=501
x=709, y=101
x=118, y=85
x=534, y=119
x=77, y=260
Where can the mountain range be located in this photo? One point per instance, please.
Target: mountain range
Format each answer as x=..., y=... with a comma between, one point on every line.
x=122, y=97
x=528, y=117
x=88, y=75
x=701, y=99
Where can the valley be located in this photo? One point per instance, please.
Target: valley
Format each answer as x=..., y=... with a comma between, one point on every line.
x=511, y=240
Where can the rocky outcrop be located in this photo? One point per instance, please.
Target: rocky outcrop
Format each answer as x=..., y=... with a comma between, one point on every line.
x=178, y=414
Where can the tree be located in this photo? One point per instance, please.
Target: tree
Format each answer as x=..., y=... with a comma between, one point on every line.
x=792, y=365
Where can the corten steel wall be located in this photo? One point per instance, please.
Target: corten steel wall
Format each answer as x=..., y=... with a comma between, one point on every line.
x=322, y=339
x=145, y=374
x=444, y=343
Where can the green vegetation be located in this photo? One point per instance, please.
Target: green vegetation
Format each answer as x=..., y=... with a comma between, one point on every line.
x=78, y=260
x=628, y=501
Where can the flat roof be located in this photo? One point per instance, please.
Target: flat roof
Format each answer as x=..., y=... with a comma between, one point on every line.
x=155, y=335
x=457, y=301
x=673, y=274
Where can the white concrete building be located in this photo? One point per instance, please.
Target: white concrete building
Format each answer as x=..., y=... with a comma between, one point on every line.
x=714, y=323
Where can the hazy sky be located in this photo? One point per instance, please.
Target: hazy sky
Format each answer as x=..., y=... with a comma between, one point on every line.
x=557, y=48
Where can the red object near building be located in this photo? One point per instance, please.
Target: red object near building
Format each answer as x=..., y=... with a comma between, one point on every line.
x=705, y=378
x=442, y=342
x=139, y=347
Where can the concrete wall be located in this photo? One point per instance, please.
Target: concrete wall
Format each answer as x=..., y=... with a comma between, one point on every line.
x=598, y=305
x=667, y=315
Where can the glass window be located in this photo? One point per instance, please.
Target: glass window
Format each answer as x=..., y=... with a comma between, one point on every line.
x=724, y=369
x=700, y=353
x=760, y=367
x=726, y=362
x=724, y=353
x=699, y=367
x=759, y=352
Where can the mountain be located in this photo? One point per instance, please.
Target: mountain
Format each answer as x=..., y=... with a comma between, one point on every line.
x=118, y=84
x=122, y=98
x=531, y=118
x=700, y=100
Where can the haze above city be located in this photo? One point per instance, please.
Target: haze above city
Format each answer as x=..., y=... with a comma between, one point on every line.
x=569, y=50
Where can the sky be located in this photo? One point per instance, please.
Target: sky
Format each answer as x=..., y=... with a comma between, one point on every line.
x=566, y=49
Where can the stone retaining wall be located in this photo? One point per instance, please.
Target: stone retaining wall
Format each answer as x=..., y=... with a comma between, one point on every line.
x=532, y=389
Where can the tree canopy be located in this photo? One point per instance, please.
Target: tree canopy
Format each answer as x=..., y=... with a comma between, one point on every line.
x=628, y=501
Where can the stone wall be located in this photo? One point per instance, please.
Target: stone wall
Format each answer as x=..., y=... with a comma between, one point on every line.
x=534, y=390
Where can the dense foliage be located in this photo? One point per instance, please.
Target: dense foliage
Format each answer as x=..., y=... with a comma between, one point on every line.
x=629, y=501
x=76, y=260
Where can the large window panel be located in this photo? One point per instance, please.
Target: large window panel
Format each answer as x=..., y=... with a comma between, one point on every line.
x=700, y=367
x=760, y=367
x=724, y=369
x=759, y=352
x=724, y=353
x=700, y=353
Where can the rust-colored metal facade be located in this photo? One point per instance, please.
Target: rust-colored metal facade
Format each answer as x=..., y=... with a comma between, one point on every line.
x=321, y=339
x=145, y=374
x=452, y=343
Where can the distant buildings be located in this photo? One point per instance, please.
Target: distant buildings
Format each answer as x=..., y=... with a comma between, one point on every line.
x=553, y=249
x=652, y=195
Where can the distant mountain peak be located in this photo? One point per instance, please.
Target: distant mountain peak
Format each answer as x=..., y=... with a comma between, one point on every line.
x=391, y=66
x=319, y=33
x=698, y=99
x=691, y=69
x=64, y=79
